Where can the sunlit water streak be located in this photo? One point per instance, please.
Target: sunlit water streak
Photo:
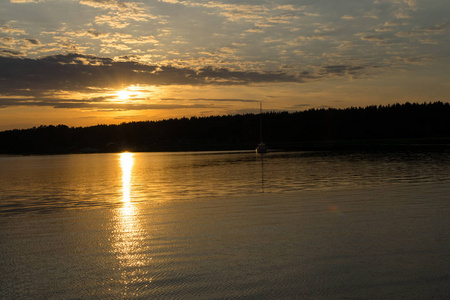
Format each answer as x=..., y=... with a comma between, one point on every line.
x=126, y=164
x=128, y=237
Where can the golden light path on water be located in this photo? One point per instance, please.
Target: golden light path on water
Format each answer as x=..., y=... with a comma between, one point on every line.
x=126, y=164
x=128, y=236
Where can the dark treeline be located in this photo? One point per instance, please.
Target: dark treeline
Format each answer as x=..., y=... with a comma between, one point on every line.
x=405, y=124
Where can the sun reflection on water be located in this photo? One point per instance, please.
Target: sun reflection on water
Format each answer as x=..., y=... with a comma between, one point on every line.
x=126, y=163
x=128, y=236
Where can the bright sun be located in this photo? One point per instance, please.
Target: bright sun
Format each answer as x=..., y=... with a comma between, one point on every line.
x=123, y=95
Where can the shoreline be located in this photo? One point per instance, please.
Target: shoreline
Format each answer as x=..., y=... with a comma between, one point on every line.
x=387, y=145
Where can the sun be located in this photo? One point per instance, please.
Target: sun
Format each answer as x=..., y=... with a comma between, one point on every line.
x=123, y=95
x=128, y=94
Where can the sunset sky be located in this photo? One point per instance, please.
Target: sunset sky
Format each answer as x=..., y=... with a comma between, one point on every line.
x=88, y=62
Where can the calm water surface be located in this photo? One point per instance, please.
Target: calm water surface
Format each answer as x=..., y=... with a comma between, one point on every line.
x=306, y=225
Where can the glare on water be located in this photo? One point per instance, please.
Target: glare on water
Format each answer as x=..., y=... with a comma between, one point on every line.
x=126, y=164
x=128, y=235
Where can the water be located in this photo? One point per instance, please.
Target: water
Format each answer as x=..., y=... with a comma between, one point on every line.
x=307, y=225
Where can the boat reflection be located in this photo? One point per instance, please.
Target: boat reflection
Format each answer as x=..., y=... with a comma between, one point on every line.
x=128, y=237
x=262, y=173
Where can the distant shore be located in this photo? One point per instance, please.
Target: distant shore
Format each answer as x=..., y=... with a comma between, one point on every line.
x=393, y=127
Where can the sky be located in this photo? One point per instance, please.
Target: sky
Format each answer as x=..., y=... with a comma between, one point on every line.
x=89, y=62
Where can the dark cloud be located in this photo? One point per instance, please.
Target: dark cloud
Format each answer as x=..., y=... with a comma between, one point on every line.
x=98, y=103
x=124, y=107
x=76, y=72
x=223, y=100
x=341, y=70
x=301, y=105
x=33, y=41
x=95, y=33
x=210, y=100
x=8, y=53
x=437, y=28
x=225, y=76
x=25, y=81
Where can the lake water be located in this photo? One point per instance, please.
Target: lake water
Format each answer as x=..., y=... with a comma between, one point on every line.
x=221, y=225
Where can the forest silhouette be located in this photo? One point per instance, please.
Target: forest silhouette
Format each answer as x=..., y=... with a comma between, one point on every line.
x=372, y=127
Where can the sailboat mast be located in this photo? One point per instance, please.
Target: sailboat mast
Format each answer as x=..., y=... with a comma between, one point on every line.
x=261, y=149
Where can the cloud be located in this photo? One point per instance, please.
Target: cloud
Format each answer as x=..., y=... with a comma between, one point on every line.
x=29, y=82
x=255, y=30
x=93, y=104
x=7, y=41
x=77, y=72
x=30, y=43
x=262, y=15
x=33, y=41
x=24, y=1
x=9, y=29
x=36, y=78
x=435, y=29
x=289, y=7
x=392, y=24
x=112, y=5
x=418, y=60
x=344, y=70
x=411, y=3
x=383, y=29
x=301, y=105
x=121, y=13
x=380, y=40
x=10, y=53
x=211, y=100
x=371, y=38
x=429, y=42
x=92, y=33
x=401, y=9
x=17, y=46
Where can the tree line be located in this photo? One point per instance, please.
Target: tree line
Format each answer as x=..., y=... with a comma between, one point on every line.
x=310, y=129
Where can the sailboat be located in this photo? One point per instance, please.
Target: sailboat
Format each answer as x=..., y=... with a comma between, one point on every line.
x=262, y=148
